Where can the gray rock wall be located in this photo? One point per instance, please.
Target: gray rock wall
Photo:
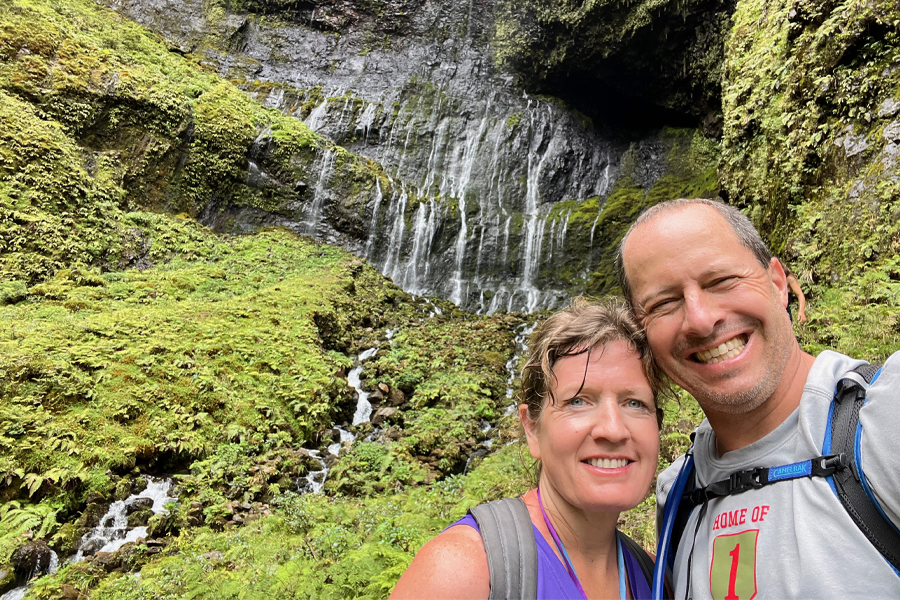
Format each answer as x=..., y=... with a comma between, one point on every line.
x=481, y=178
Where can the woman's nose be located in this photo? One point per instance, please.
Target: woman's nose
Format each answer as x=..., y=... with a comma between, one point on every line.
x=609, y=422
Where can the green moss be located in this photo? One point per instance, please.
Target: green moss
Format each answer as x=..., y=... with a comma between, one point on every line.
x=802, y=136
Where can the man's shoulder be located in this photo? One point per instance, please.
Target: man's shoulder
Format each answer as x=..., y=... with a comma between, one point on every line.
x=830, y=367
x=665, y=479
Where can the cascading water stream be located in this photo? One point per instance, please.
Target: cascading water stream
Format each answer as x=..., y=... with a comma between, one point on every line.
x=345, y=436
x=18, y=593
x=363, y=406
x=314, y=481
x=113, y=531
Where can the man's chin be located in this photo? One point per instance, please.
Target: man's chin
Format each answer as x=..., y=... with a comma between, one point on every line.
x=733, y=399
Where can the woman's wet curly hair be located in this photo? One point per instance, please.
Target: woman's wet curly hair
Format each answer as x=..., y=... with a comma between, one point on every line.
x=577, y=329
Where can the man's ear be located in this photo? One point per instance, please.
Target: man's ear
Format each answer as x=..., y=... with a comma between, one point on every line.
x=779, y=279
x=531, y=434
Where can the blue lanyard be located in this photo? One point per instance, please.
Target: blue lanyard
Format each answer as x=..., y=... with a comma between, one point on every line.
x=620, y=557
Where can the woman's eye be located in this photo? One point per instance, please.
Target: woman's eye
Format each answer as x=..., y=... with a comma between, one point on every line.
x=634, y=404
x=576, y=402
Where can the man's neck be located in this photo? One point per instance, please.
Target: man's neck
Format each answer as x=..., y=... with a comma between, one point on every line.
x=736, y=431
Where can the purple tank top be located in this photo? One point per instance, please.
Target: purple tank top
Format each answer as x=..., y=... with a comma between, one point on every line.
x=554, y=583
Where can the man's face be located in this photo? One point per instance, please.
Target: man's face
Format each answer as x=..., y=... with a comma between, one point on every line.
x=715, y=318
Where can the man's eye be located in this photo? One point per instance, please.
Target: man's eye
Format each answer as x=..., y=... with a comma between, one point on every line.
x=634, y=403
x=661, y=306
x=723, y=281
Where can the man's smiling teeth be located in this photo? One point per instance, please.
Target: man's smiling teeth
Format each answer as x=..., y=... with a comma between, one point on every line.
x=606, y=463
x=724, y=351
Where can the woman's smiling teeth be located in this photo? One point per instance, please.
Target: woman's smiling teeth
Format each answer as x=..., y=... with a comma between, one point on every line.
x=607, y=463
x=723, y=351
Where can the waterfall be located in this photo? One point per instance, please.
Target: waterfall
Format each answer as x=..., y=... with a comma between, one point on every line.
x=345, y=436
x=363, y=406
x=315, y=209
x=396, y=209
x=314, y=481
x=488, y=161
x=379, y=196
x=113, y=532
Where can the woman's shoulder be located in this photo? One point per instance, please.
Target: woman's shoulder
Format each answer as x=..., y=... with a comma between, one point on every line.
x=452, y=565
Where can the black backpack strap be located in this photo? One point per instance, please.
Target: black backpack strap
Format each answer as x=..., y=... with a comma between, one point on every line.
x=643, y=558
x=848, y=400
x=508, y=537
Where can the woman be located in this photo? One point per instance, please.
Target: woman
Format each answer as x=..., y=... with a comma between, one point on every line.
x=591, y=420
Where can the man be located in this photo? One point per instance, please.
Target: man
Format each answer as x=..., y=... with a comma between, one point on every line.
x=712, y=299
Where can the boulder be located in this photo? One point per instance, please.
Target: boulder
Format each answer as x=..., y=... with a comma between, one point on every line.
x=140, y=518
x=397, y=397
x=138, y=504
x=68, y=592
x=109, y=561
x=123, y=488
x=385, y=412
x=138, y=485
x=31, y=559
x=91, y=548
x=91, y=516
x=156, y=525
x=7, y=579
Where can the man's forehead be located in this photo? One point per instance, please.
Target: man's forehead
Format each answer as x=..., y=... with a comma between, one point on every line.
x=694, y=238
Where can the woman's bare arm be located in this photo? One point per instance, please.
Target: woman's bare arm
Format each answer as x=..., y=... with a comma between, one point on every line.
x=451, y=566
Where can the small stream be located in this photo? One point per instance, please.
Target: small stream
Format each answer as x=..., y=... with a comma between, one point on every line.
x=113, y=532
x=363, y=406
x=314, y=481
x=19, y=592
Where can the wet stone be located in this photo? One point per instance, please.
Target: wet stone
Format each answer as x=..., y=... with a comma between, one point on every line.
x=138, y=504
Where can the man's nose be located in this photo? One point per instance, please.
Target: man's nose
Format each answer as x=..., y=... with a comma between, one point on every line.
x=701, y=314
x=609, y=422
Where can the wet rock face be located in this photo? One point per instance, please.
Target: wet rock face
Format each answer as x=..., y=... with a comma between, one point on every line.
x=30, y=560
x=478, y=193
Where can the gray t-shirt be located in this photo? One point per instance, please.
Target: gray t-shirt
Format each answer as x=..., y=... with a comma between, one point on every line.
x=794, y=539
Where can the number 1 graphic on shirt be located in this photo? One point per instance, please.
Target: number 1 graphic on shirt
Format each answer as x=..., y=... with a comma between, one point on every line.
x=732, y=574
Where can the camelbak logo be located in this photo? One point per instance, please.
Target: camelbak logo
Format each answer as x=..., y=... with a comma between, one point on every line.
x=792, y=471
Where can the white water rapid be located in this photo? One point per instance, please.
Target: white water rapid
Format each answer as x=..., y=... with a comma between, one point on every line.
x=113, y=531
x=314, y=482
x=363, y=406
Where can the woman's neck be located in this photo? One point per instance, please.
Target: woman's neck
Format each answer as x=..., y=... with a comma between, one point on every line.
x=589, y=539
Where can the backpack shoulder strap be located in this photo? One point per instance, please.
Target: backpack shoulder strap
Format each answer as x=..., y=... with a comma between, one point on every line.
x=863, y=509
x=508, y=537
x=641, y=556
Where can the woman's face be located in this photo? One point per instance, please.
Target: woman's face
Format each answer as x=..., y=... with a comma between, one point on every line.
x=598, y=448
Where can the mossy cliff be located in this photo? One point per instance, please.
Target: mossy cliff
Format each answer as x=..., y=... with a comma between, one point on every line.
x=98, y=113
x=810, y=99
x=484, y=177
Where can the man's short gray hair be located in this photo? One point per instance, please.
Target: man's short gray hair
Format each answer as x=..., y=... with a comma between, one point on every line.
x=744, y=230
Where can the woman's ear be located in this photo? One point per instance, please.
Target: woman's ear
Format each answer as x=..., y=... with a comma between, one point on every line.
x=531, y=433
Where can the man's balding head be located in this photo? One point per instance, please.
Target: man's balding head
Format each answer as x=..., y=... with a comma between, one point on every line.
x=741, y=226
